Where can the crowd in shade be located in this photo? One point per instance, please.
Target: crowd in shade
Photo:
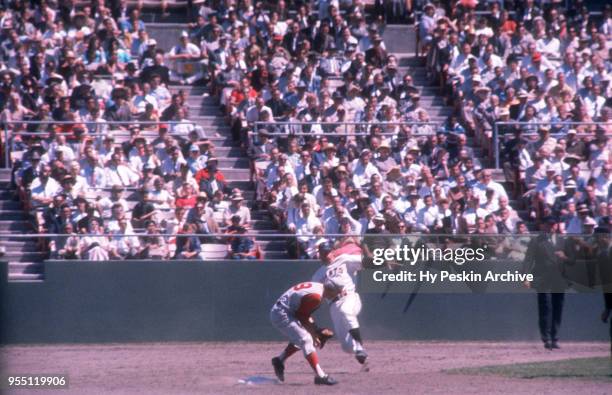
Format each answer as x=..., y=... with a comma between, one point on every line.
x=337, y=136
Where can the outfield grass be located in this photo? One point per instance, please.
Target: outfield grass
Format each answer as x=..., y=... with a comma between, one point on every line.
x=585, y=368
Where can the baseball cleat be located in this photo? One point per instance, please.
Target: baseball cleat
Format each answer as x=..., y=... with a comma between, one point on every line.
x=325, y=380
x=279, y=369
x=361, y=356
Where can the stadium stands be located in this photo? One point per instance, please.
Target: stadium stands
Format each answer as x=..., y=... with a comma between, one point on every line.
x=293, y=118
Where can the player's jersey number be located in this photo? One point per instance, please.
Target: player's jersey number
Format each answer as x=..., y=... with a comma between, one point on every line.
x=335, y=271
x=302, y=286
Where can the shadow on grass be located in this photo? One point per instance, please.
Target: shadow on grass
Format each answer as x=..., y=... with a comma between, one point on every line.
x=599, y=368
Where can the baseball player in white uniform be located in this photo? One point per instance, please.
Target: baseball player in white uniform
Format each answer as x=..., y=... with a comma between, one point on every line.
x=341, y=265
x=291, y=315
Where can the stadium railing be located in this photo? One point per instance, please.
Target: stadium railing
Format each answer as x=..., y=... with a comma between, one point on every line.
x=361, y=128
x=90, y=129
x=511, y=247
x=511, y=125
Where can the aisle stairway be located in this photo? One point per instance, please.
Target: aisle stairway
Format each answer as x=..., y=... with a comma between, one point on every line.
x=22, y=253
x=233, y=163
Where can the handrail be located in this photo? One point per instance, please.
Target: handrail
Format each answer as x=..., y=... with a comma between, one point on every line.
x=345, y=124
x=133, y=121
x=497, y=124
x=8, y=134
x=270, y=235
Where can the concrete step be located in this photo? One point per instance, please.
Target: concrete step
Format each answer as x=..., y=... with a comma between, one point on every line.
x=229, y=152
x=19, y=246
x=6, y=195
x=242, y=184
x=10, y=205
x=14, y=215
x=21, y=257
x=410, y=61
x=258, y=214
x=223, y=141
x=14, y=226
x=202, y=101
x=432, y=101
x=398, y=37
x=25, y=268
x=261, y=224
x=232, y=174
x=26, y=277
x=192, y=90
x=272, y=245
x=208, y=120
x=197, y=109
x=233, y=162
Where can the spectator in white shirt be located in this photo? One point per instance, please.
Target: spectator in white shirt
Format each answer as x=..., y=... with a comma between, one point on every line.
x=117, y=173
x=145, y=97
x=105, y=204
x=363, y=169
x=124, y=243
x=488, y=183
x=237, y=208
x=171, y=166
x=160, y=197
x=304, y=223
x=428, y=218
x=44, y=188
x=185, y=50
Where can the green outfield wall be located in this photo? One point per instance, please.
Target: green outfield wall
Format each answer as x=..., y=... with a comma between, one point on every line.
x=144, y=301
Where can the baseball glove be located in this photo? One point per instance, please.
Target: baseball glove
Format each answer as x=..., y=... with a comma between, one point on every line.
x=324, y=334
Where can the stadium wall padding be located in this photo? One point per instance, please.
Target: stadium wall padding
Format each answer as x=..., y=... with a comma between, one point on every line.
x=138, y=301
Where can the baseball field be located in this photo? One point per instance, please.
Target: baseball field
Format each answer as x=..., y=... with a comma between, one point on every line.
x=244, y=367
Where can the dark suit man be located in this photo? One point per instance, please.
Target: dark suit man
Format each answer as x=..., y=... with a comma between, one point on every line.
x=603, y=256
x=376, y=55
x=293, y=40
x=544, y=258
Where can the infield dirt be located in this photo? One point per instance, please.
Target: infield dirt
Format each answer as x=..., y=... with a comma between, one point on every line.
x=218, y=368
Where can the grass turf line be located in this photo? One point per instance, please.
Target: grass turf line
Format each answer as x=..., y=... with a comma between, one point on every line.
x=599, y=368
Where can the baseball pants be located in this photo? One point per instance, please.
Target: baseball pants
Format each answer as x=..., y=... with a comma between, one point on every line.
x=344, y=314
x=289, y=326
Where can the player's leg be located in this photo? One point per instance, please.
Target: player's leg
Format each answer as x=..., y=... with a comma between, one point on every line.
x=352, y=311
x=288, y=351
x=346, y=318
x=278, y=363
x=341, y=328
x=303, y=339
x=299, y=338
x=281, y=321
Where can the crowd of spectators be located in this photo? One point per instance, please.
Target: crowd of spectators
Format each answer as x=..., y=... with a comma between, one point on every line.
x=366, y=161
x=111, y=153
x=423, y=178
x=545, y=65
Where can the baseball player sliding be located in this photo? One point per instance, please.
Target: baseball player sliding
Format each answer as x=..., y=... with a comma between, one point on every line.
x=291, y=315
x=341, y=265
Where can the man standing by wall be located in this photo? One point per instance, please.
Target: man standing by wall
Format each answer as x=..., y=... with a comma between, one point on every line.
x=543, y=259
